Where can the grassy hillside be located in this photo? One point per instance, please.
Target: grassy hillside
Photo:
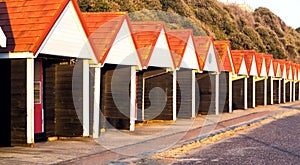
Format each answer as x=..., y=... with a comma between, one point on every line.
x=260, y=30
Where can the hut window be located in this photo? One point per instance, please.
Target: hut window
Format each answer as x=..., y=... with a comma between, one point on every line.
x=37, y=92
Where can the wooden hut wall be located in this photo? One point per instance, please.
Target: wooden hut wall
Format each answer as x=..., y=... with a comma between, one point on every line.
x=250, y=92
x=13, y=103
x=184, y=93
x=206, y=82
x=224, y=92
x=91, y=98
x=139, y=94
x=283, y=91
x=61, y=118
x=297, y=91
x=116, y=117
x=238, y=88
x=275, y=92
x=287, y=92
x=269, y=94
x=259, y=92
x=153, y=108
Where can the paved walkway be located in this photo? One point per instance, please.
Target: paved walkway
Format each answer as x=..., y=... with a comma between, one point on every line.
x=147, y=139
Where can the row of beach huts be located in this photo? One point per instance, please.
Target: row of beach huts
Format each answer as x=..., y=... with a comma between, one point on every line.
x=68, y=73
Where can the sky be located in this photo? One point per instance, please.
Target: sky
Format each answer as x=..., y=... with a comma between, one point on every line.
x=287, y=10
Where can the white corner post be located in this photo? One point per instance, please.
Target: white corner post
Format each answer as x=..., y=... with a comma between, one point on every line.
x=132, y=98
x=253, y=92
x=96, y=115
x=174, y=94
x=30, y=100
x=279, y=91
x=291, y=90
x=85, y=98
x=271, y=90
x=245, y=93
x=294, y=90
x=230, y=92
x=283, y=85
x=298, y=90
x=265, y=91
x=193, y=93
x=143, y=100
x=217, y=93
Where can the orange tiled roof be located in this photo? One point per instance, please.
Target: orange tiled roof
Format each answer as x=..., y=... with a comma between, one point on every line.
x=281, y=63
x=222, y=47
x=178, y=40
x=26, y=23
x=145, y=35
x=268, y=60
x=294, y=69
x=248, y=56
x=259, y=57
x=275, y=65
x=103, y=28
x=202, y=44
x=237, y=59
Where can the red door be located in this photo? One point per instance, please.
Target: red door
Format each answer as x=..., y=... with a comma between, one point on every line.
x=38, y=97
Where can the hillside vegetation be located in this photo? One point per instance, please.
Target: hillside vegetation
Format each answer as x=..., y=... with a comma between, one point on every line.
x=260, y=30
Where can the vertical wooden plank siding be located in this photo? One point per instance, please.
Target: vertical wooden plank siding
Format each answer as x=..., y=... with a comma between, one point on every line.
x=283, y=90
x=275, y=92
x=224, y=93
x=251, y=94
x=238, y=94
x=271, y=93
x=259, y=92
x=184, y=78
x=287, y=91
x=296, y=91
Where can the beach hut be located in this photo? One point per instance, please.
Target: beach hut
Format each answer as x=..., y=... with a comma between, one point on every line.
x=227, y=72
x=297, y=86
x=289, y=82
x=283, y=75
x=114, y=76
x=45, y=39
x=272, y=90
x=250, y=59
x=208, y=81
x=261, y=80
x=183, y=52
x=277, y=82
x=295, y=82
x=156, y=84
x=239, y=81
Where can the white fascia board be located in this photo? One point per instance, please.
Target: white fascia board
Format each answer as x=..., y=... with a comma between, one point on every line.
x=123, y=50
x=189, y=59
x=230, y=58
x=161, y=55
x=67, y=37
x=16, y=55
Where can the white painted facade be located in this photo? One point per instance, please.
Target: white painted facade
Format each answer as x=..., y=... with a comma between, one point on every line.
x=278, y=71
x=30, y=100
x=271, y=69
x=67, y=37
x=189, y=59
x=263, y=72
x=123, y=50
x=161, y=55
x=283, y=75
x=253, y=71
x=211, y=61
x=290, y=74
x=2, y=38
x=243, y=68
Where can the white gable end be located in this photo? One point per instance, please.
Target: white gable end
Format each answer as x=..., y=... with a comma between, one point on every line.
x=123, y=50
x=211, y=61
x=263, y=72
x=284, y=72
x=253, y=71
x=67, y=37
x=290, y=74
x=2, y=39
x=190, y=60
x=243, y=68
x=271, y=70
x=278, y=71
x=161, y=55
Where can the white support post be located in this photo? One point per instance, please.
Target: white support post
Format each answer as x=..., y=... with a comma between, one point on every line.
x=193, y=93
x=230, y=92
x=283, y=83
x=294, y=91
x=97, y=81
x=30, y=100
x=291, y=90
x=279, y=91
x=217, y=93
x=298, y=90
x=143, y=101
x=174, y=94
x=265, y=91
x=85, y=99
x=245, y=93
x=253, y=91
x=271, y=90
x=132, y=98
